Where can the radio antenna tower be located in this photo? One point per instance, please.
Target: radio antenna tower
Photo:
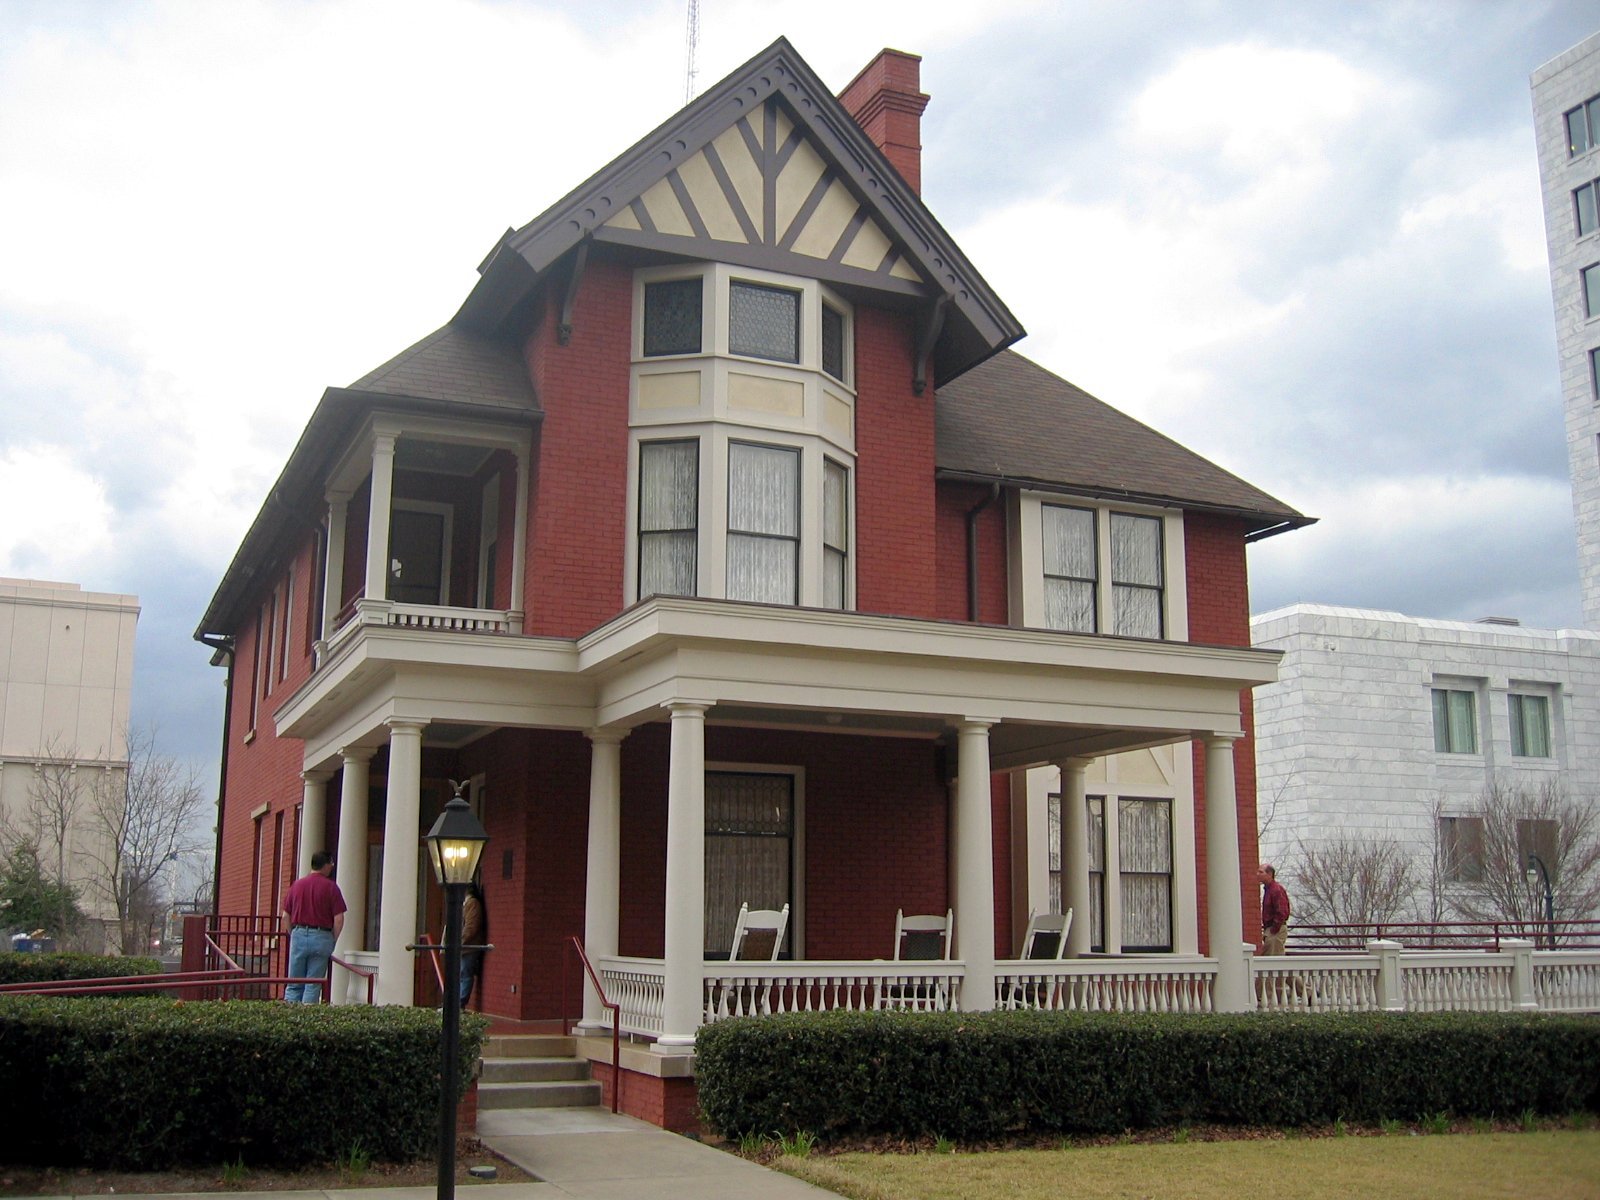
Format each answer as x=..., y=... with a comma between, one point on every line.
x=693, y=42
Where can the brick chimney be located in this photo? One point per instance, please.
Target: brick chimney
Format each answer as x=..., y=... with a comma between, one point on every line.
x=886, y=100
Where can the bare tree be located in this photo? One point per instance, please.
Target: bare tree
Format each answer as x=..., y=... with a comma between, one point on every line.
x=1354, y=881
x=58, y=796
x=1521, y=819
x=143, y=825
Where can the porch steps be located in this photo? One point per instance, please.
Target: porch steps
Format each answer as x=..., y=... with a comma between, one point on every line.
x=534, y=1071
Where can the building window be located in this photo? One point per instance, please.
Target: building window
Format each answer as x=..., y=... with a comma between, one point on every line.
x=1135, y=576
x=1071, y=568
x=1591, y=290
x=763, y=523
x=1541, y=836
x=835, y=534
x=672, y=322
x=1144, y=830
x=833, y=343
x=1594, y=373
x=283, y=642
x=764, y=322
x=750, y=820
x=1530, y=726
x=669, y=508
x=1097, y=873
x=1588, y=211
x=1461, y=849
x=1455, y=722
x=1583, y=127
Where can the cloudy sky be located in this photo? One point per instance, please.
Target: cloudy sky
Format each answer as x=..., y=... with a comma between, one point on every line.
x=1304, y=239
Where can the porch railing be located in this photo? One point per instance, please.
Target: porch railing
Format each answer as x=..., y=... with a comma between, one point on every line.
x=361, y=611
x=1107, y=985
x=741, y=989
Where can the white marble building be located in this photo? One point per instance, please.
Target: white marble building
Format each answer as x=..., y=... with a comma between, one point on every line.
x=1376, y=716
x=1566, y=115
x=66, y=680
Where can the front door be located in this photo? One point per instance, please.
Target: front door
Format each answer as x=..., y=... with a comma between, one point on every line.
x=417, y=539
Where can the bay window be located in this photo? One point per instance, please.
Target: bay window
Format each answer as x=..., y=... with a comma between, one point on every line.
x=764, y=322
x=669, y=505
x=835, y=534
x=763, y=523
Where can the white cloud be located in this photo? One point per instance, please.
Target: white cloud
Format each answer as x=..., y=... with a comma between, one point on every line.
x=68, y=520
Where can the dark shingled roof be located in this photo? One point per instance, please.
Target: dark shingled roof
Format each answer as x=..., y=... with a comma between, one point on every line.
x=1009, y=420
x=455, y=365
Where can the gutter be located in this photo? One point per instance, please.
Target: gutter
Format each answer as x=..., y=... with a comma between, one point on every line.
x=224, y=651
x=972, y=549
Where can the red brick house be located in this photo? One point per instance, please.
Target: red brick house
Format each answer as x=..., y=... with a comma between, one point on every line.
x=722, y=544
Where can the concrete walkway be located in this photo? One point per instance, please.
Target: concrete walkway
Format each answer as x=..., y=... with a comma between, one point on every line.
x=592, y=1153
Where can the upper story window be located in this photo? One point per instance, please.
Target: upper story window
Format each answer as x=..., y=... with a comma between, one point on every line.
x=833, y=343
x=672, y=316
x=763, y=523
x=1530, y=726
x=1461, y=849
x=1587, y=210
x=1590, y=277
x=764, y=322
x=1455, y=721
x=1583, y=127
x=669, y=506
x=1073, y=591
x=835, y=534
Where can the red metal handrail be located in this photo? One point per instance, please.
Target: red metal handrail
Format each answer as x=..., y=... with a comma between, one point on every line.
x=1351, y=938
x=605, y=1002
x=369, y=976
x=426, y=942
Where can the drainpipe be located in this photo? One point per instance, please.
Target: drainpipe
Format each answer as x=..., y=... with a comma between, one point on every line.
x=972, y=549
x=224, y=651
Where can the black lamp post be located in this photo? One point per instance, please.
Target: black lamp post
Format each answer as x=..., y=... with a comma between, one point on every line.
x=1536, y=864
x=455, y=844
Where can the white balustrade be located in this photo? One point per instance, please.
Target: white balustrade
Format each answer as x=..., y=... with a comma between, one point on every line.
x=1567, y=980
x=455, y=620
x=1108, y=985
x=1452, y=982
x=1346, y=983
x=757, y=988
x=638, y=987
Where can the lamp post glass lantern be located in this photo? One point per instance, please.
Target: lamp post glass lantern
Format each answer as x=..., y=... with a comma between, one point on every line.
x=1538, y=873
x=455, y=843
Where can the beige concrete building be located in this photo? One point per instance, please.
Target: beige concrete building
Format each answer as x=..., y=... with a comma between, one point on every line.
x=66, y=680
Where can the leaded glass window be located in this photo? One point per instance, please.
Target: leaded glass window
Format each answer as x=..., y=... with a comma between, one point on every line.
x=764, y=322
x=1070, y=568
x=669, y=509
x=833, y=343
x=749, y=849
x=1135, y=575
x=763, y=523
x=672, y=320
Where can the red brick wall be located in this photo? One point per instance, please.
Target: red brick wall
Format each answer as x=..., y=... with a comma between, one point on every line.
x=576, y=506
x=670, y=1103
x=950, y=537
x=895, y=562
x=1219, y=615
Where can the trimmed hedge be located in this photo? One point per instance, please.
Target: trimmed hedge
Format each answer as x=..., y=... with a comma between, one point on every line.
x=50, y=968
x=977, y=1076
x=152, y=1084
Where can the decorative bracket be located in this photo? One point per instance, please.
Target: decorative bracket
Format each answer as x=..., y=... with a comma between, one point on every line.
x=932, y=326
x=564, y=329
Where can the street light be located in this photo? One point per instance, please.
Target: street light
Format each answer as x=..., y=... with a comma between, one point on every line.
x=455, y=843
x=1537, y=873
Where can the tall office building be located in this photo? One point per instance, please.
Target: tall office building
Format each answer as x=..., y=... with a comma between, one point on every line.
x=1566, y=112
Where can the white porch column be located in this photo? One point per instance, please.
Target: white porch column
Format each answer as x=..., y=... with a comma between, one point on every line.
x=381, y=500
x=351, y=869
x=313, y=817
x=1225, y=909
x=685, y=947
x=402, y=840
x=333, y=570
x=603, y=882
x=519, y=539
x=1075, y=852
x=975, y=864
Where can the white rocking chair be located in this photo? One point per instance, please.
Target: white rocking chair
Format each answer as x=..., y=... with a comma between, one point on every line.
x=1044, y=941
x=920, y=939
x=758, y=934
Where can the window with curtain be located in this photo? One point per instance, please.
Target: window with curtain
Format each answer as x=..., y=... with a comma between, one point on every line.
x=1144, y=830
x=1136, y=580
x=1530, y=726
x=669, y=508
x=764, y=322
x=749, y=849
x=1588, y=211
x=763, y=523
x=1097, y=873
x=672, y=316
x=1455, y=721
x=1053, y=845
x=1070, y=568
x=835, y=534
x=1461, y=849
x=1590, y=279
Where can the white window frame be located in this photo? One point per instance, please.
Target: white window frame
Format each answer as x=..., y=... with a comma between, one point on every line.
x=435, y=508
x=1449, y=686
x=1026, y=556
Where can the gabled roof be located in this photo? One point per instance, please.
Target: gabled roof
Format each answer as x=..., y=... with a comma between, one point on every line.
x=1011, y=421
x=766, y=169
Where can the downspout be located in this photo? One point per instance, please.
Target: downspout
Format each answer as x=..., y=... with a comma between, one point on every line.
x=972, y=549
x=224, y=649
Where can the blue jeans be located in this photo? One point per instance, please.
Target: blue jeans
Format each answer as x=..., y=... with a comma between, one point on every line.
x=309, y=952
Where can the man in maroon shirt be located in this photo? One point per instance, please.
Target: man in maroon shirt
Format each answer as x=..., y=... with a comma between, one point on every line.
x=314, y=908
x=1274, y=910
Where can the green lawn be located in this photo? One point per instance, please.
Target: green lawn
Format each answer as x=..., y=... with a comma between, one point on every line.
x=1555, y=1165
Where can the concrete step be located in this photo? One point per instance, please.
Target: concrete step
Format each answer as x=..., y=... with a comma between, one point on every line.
x=533, y=1070
x=529, y=1045
x=551, y=1094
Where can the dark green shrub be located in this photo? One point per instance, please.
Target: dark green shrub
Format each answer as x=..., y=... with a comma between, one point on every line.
x=984, y=1075
x=146, y=1084
x=50, y=968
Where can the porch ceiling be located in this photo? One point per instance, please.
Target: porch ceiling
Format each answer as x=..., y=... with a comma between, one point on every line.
x=1053, y=694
